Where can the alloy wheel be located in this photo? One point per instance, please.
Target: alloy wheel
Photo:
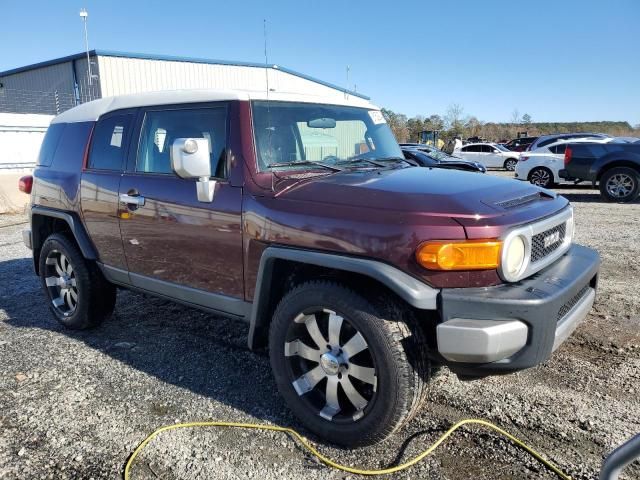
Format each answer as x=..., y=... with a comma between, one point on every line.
x=331, y=366
x=510, y=165
x=61, y=282
x=620, y=185
x=540, y=177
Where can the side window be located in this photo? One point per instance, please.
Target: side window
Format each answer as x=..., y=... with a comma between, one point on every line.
x=558, y=148
x=110, y=142
x=487, y=149
x=161, y=128
x=50, y=144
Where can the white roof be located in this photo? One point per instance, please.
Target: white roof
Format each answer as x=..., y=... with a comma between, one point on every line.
x=91, y=111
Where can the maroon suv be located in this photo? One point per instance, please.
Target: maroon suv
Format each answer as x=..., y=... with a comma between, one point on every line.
x=299, y=216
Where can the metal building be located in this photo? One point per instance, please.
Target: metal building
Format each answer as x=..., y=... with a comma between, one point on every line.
x=54, y=86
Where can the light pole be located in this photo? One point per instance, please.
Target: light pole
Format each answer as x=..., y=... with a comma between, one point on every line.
x=84, y=15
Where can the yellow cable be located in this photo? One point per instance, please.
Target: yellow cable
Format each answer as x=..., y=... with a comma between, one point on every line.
x=305, y=443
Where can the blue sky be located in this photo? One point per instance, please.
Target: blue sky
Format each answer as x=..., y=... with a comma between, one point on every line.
x=558, y=60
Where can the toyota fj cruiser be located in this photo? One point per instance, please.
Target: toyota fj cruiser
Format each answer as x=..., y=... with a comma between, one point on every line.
x=299, y=215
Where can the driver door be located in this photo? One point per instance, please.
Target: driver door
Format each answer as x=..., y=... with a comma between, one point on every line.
x=174, y=244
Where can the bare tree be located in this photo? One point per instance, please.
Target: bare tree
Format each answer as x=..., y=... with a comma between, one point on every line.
x=515, y=117
x=454, y=119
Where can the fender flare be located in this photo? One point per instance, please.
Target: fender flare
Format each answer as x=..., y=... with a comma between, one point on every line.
x=414, y=292
x=75, y=225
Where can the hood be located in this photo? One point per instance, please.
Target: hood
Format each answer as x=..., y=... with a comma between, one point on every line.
x=431, y=191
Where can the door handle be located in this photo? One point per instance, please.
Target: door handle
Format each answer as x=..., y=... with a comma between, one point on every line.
x=127, y=199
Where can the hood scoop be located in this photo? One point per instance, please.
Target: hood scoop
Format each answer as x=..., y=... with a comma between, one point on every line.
x=523, y=200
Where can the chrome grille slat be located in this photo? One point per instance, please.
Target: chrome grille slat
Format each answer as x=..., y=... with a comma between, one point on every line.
x=538, y=248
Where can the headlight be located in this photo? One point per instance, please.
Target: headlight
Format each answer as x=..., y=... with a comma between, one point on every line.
x=459, y=255
x=514, y=256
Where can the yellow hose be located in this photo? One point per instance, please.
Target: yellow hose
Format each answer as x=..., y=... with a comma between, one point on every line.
x=305, y=443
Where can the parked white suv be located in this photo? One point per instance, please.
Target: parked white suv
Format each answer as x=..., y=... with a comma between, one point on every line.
x=489, y=155
x=542, y=166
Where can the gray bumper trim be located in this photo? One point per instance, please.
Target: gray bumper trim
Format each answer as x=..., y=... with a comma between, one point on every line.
x=572, y=319
x=26, y=238
x=480, y=341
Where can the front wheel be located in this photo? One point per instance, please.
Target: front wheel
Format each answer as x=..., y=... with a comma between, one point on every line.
x=510, y=164
x=352, y=374
x=620, y=184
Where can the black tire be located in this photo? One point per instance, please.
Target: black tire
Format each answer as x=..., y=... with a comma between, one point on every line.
x=542, y=177
x=398, y=356
x=510, y=164
x=620, y=184
x=85, y=298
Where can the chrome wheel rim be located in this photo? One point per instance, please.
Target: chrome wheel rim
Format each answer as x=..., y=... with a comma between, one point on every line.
x=620, y=185
x=60, y=280
x=331, y=366
x=510, y=165
x=540, y=178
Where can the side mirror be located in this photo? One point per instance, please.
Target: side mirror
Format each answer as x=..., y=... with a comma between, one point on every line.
x=190, y=159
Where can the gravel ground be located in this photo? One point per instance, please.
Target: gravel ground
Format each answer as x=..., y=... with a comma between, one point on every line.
x=73, y=405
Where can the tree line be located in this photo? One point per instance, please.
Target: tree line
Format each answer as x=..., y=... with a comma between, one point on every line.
x=454, y=123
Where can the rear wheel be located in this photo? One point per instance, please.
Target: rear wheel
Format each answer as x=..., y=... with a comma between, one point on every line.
x=620, y=184
x=349, y=371
x=510, y=164
x=542, y=177
x=79, y=295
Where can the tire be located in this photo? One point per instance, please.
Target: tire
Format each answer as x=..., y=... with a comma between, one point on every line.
x=79, y=295
x=542, y=177
x=391, y=386
x=510, y=164
x=620, y=184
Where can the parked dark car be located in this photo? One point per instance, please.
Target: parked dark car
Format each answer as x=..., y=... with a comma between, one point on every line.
x=545, y=140
x=439, y=159
x=520, y=144
x=300, y=217
x=614, y=166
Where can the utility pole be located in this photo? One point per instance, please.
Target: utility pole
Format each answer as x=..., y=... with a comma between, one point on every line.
x=84, y=15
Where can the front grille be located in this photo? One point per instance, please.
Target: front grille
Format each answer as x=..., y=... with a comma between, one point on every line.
x=566, y=308
x=546, y=242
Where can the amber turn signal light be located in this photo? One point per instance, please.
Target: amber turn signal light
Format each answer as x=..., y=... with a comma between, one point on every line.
x=464, y=255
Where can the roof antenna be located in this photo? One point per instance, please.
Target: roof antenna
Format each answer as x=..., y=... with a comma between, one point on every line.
x=266, y=73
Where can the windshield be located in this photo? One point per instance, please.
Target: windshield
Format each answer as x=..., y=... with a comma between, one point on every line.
x=294, y=135
x=501, y=147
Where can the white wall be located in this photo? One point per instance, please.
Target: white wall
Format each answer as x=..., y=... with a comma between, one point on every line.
x=20, y=139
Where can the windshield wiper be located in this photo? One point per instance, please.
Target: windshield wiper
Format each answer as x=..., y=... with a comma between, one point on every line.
x=303, y=162
x=395, y=159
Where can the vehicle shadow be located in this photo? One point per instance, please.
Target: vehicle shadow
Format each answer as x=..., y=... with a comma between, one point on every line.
x=200, y=352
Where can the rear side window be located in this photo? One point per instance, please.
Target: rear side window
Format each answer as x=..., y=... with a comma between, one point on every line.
x=162, y=128
x=559, y=149
x=50, y=144
x=110, y=139
x=472, y=148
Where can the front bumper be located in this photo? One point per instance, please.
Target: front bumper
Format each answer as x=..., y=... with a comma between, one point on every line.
x=514, y=326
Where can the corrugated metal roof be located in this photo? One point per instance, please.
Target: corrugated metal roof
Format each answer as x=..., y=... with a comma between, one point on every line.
x=172, y=58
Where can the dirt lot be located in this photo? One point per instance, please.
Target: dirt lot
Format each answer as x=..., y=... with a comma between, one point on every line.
x=73, y=405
